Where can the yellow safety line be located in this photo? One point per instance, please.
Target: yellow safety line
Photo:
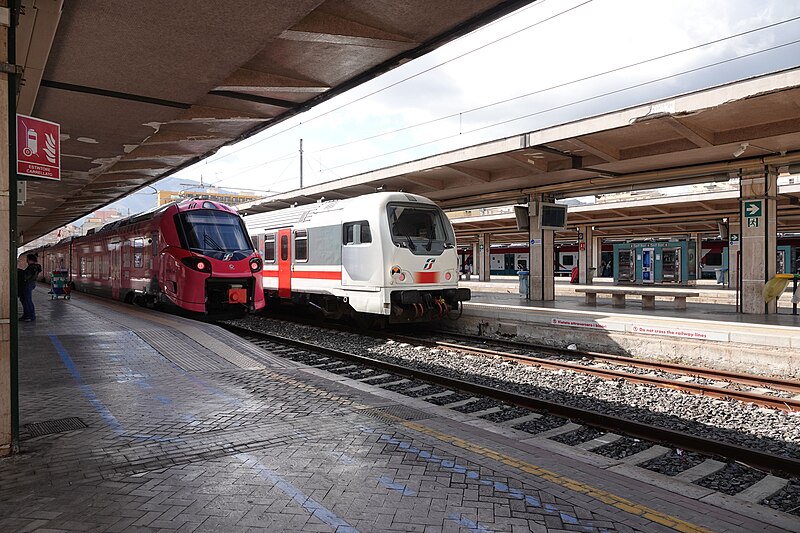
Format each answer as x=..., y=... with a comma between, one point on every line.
x=571, y=484
x=604, y=496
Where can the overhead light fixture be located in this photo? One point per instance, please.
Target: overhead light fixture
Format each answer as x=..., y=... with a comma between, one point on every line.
x=741, y=149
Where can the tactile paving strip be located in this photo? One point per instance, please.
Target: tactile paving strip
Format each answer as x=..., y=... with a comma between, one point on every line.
x=185, y=352
x=37, y=429
x=391, y=413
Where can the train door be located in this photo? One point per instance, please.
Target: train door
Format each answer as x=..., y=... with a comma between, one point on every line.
x=648, y=265
x=284, y=263
x=671, y=265
x=116, y=269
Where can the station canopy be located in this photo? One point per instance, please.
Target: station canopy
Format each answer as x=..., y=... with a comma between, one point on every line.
x=704, y=136
x=142, y=89
x=661, y=216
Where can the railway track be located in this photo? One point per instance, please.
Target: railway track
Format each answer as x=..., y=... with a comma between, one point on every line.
x=763, y=391
x=726, y=386
x=338, y=360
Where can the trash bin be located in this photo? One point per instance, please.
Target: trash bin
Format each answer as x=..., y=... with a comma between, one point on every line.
x=721, y=272
x=590, y=275
x=523, y=281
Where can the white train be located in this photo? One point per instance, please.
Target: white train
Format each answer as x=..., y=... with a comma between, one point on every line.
x=385, y=255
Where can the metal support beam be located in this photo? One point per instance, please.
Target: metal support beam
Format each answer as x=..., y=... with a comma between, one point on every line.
x=9, y=405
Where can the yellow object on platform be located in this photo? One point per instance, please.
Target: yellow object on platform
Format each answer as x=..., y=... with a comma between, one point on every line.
x=774, y=288
x=785, y=276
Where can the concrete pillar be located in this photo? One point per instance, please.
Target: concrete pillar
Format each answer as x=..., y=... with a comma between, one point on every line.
x=759, y=237
x=586, y=259
x=484, y=252
x=475, y=261
x=8, y=284
x=695, y=268
x=734, y=241
x=542, y=280
x=597, y=253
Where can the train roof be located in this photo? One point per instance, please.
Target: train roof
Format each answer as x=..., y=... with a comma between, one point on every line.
x=296, y=214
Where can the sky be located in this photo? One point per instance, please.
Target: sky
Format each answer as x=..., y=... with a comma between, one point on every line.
x=449, y=98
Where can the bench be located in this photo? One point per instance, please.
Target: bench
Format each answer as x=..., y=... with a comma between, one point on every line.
x=648, y=297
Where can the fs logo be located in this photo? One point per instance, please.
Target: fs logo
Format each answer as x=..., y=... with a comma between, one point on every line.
x=428, y=264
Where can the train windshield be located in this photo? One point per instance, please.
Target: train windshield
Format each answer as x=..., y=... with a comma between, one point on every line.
x=423, y=230
x=216, y=234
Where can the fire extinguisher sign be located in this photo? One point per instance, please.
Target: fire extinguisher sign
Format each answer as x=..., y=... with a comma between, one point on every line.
x=38, y=148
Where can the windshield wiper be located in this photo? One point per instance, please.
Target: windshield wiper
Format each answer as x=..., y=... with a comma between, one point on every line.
x=211, y=242
x=411, y=245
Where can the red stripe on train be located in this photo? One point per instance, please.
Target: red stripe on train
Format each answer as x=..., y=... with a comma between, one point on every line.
x=426, y=277
x=307, y=274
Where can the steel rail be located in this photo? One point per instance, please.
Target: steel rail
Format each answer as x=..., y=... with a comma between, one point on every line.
x=698, y=371
x=755, y=458
x=774, y=402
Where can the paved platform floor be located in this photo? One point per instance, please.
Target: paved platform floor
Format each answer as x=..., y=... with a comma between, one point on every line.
x=191, y=429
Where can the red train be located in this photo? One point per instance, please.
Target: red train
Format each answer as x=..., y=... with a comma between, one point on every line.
x=194, y=255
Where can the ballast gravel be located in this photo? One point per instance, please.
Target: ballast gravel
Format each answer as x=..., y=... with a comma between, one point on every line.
x=787, y=500
x=730, y=421
x=479, y=405
x=573, y=438
x=732, y=479
x=509, y=413
x=622, y=448
x=541, y=424
x=673, y=463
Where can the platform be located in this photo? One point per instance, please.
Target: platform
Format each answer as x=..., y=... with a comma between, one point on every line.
x=704, y=334
x=181, y=426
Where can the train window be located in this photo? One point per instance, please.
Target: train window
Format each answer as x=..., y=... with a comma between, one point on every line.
x=269, y=248
x=357, y=233
x=215, y=233
x=713, y=259
x=423, y=230
x=254, y=240
x=301, y=245
x=284, y=248
x=567, y=260
x=138, y=245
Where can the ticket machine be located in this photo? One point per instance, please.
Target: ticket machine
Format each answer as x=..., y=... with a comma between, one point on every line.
x=648, y=265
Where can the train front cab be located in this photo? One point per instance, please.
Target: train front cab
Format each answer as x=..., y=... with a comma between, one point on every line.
x=422, y=282
x=216, y=269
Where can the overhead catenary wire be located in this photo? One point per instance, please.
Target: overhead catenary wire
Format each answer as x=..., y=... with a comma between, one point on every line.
x=569, y=104
x=557, y=86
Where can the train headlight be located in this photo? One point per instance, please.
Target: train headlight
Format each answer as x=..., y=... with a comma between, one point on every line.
x=197, y=263
x=255, y=265
x=401, y=277
x=448, y=276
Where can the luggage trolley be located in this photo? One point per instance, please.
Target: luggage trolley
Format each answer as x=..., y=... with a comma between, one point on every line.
x=60, y=285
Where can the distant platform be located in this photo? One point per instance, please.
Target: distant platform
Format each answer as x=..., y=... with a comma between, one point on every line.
x=706, y=334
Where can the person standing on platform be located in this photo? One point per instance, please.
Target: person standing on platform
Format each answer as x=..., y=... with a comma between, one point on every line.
x=26, y=282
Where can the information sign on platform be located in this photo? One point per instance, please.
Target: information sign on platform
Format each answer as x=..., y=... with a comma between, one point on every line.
x=38, y=148
x=753, y=211
x=734, y=238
